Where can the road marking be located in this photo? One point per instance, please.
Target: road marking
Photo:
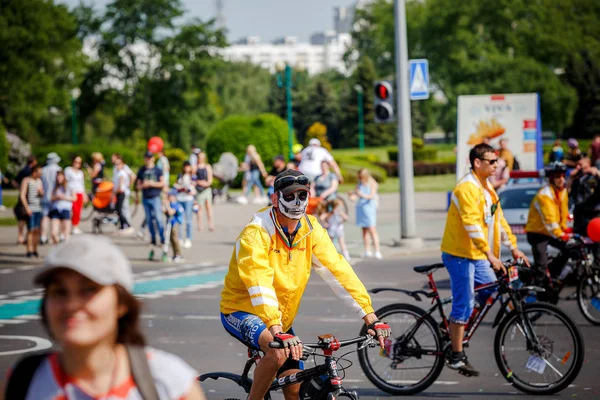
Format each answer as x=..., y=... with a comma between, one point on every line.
x=7, y=271
x=155, y=287
x=40, y=344
x=12, y=321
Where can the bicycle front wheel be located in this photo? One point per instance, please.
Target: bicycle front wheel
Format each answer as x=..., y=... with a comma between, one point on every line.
x=546, y=364
x=412, y=358
x=588, y=297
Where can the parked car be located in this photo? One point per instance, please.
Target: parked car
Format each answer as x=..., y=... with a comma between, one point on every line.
x=515, y=200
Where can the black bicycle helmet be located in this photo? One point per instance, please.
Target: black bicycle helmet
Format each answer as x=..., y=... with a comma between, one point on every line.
x=555, y=167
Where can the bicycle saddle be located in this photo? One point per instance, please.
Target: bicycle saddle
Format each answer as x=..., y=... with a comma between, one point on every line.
x=425, y=269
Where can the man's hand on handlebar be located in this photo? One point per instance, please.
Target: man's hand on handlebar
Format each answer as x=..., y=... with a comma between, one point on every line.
x=290, y=344
x=380, y=330
x=496, y=263
x=518, y=254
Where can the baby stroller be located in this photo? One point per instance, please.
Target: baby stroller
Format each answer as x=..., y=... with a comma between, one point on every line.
x=104, y=208
x=225, y=170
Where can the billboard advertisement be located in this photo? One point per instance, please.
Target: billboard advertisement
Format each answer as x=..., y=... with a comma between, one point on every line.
x=515, y=117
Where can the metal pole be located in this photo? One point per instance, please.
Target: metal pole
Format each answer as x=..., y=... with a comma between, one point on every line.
x=288, y=97
x=405, y=156
x=361, y=122
x=73, y=120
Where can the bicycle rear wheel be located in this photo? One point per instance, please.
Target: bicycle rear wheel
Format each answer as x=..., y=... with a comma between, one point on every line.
x=554, y=364
x=395, y=369
x=588, y=297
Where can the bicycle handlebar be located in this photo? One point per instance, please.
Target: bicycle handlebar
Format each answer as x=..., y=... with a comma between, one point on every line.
x=328, y=345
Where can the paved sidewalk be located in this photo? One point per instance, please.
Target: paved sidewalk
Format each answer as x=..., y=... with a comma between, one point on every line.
x=230, y=218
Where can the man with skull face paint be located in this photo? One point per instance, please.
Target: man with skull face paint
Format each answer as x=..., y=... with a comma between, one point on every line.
x=268, y=272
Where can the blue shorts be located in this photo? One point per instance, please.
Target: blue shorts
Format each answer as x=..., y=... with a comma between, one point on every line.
x=60, y=214
x=35, y=220
x=465, y=274
x=247, y=328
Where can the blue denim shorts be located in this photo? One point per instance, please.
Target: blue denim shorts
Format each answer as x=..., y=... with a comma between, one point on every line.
x=465, y=274
x=35, y=220
x=247, y=328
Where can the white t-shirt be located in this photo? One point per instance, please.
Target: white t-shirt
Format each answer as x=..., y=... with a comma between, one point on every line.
x=75, y=180
x=312, y=157
x=125, y=183
x=173, y=379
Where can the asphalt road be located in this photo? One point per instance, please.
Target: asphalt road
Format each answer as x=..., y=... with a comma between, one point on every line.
x=181, y=315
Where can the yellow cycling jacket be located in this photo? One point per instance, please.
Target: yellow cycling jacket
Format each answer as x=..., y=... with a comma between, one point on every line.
x=467, y=234
x=267, y=275
x=548, y=214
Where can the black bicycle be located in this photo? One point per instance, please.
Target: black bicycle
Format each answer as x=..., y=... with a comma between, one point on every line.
x=579, y=271
x=322, y=382
x=537, y=347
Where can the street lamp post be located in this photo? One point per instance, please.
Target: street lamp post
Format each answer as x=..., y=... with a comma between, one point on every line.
x=361, y=122
x=74, y=95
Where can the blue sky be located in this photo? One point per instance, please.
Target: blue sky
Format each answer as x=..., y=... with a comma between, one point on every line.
x=265, y=18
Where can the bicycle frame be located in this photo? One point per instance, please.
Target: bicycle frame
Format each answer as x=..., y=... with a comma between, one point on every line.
x=476, y=317
x=329, y=368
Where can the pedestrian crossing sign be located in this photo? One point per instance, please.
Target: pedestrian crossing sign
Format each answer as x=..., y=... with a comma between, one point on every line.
x=419, y=79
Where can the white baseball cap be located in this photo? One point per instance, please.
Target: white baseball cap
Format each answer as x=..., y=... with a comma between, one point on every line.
x=94, y=257
x=314, y=142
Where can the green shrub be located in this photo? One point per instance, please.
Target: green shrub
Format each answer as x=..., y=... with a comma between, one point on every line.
x=267, y=132
x=425, y=154
x=420, y=152
x=351, y=167
x=176, y=158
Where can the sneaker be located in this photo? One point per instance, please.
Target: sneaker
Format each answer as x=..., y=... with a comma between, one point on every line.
x=140, y=234
x=367, y=254
x=187, y=244
x=77, y=231
x=178, y=259
x=459, y=362
x=151, y=255
x=347, y=256
x=44, y=240
x=35, y=254
x=29, y=254
x=378, y=255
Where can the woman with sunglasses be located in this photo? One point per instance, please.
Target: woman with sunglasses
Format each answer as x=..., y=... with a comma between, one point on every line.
x=89, y=311
x=268, y=273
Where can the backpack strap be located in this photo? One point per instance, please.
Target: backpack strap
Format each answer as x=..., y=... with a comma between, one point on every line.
x=21, y=376
x=140, y=370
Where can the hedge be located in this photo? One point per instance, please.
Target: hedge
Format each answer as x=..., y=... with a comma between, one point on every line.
x=420, y=168
x=419, y=154
x=350, y=168
x=267, y=132
x=68, y=151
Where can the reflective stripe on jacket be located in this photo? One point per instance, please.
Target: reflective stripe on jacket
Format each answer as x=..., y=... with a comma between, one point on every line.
x=466, y=233
x=267, y=275
x=548, y=214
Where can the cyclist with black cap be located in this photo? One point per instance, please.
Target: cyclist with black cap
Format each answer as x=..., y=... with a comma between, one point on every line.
x=268, y=273
x=547, y=221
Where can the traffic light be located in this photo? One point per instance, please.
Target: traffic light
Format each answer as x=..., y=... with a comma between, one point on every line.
x=383, y=106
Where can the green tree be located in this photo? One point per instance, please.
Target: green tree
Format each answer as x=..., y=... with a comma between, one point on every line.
x=40, y=62
x=322, y=106
x=375, y=134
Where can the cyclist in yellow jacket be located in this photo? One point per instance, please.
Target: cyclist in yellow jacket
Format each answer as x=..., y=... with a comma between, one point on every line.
x=547, y=221
x=268, y=272
x=475, y=229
